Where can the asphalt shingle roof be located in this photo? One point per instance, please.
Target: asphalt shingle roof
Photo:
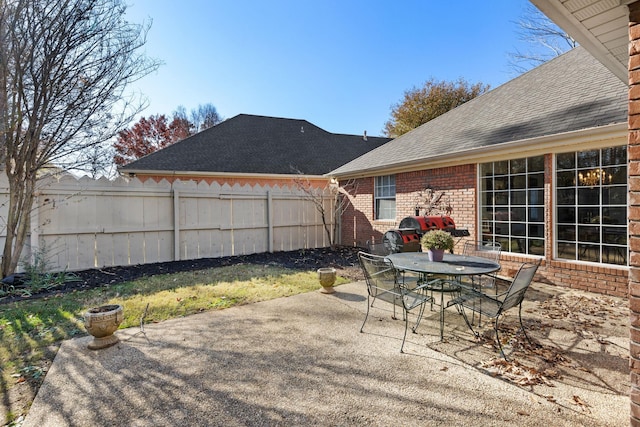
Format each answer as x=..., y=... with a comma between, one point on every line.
x=258, y=144
x=571, y=92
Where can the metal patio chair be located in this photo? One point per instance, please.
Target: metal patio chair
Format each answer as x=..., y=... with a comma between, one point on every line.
x=488, y=250
x=493, y=306
x=383, y=283
x=383, y=248
x=380, y=248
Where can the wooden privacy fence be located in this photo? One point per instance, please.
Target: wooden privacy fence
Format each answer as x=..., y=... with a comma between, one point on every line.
x=84, y=223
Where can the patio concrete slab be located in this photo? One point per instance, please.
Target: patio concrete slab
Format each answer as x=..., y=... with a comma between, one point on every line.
x=299, y=360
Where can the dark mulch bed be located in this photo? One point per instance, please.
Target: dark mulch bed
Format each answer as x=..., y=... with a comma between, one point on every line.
x=344, y=259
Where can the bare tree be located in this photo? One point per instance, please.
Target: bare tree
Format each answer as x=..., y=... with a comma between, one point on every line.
x=204, y=117
x=330, y=201
x=98, y=162
x=64, y=67
x=538, y=31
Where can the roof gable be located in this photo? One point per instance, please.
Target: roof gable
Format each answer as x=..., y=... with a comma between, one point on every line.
x=258, y=145
x=571, y=92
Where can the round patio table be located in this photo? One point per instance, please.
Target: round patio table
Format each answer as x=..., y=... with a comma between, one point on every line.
x=452, y=265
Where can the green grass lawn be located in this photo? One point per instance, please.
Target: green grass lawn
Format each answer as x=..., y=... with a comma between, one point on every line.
x=31, y=330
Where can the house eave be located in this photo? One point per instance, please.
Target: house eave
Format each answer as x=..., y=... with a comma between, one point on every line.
x=569, y=141
x=193, y=174
x=565, y=19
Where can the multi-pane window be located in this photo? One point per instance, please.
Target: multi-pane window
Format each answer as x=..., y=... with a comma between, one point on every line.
x=385, y=197
x=512, y=204
x=591, y=205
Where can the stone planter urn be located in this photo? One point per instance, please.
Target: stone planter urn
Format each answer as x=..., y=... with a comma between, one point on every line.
x=102, y=322
x=327, y=277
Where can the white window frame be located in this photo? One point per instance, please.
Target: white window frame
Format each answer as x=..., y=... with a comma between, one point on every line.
x=608, y=252
x=510, y=230
x=384, y=190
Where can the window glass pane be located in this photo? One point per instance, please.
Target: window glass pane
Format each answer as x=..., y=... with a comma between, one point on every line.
x=502, y=214
x=518, y=246
x=501, y=168
x=614, y=195
x=501, y=183
x=386, y=209
x=487, y=184
x=567, y=214
x=536, y=247
x=536, y=230
x=589, y=253
x=567, y=232
x=566, y=250
x=487, y=213
x=615, y=175
x=536, y=197
x=536, y=214
x=588, y=159
x=565, y=161
x=614, y=156
x=518, y=197
x=518, y=182
x=519, y=214
x=589, y=196
x=501, y=197
x=518, y=166
x=535, y=164
x=589, y=215
x=614, y=255
x=566, y=196
x=614, y=215
x=518, y=229
x=566, y=178
x=588, y=234
x=502, y=228
x=536, y=180
x=486, y=169
x=615, y=235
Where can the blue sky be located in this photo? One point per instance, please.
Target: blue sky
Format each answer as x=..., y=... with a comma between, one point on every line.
x=340, y=64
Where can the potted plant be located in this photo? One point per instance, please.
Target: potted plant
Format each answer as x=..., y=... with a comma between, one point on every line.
x=436, y=242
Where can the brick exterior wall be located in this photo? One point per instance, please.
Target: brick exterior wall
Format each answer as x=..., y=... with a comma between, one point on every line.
x=459, y=185
x=358, y=225
x=634, y=210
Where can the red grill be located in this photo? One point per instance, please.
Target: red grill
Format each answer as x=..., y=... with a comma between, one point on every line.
x=422, y=224
x=407, y=237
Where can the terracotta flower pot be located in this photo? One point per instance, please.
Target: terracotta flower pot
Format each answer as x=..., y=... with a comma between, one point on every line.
x=102, y=322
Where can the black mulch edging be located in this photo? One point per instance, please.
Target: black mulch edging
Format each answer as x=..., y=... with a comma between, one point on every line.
x=307, y=259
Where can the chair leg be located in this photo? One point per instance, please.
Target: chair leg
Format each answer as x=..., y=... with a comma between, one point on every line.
x=406, y=326
x=366, y=315
x=442, y=315
x=522, y=325
x=495, y=326
x=466, y=320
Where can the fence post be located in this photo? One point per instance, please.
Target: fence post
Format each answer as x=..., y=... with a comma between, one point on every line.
x=270, y=220
x=176, y=225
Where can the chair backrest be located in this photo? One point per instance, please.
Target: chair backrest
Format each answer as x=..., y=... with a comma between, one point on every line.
x=379, y=273
x=381, y=248
x=489, y=250
x=519, y=286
